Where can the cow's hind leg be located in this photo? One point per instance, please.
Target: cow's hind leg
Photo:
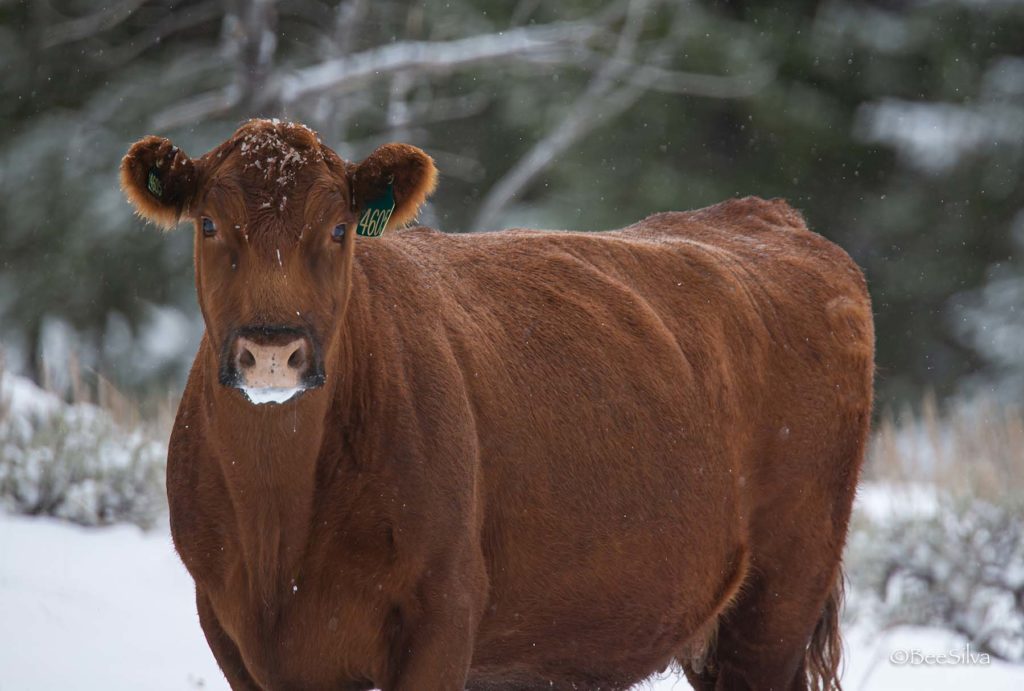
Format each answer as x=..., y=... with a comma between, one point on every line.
x=698, y=657
x=782, y=633
x=765, y=645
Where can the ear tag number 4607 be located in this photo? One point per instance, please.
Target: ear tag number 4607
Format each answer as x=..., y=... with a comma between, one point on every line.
x=377, y=214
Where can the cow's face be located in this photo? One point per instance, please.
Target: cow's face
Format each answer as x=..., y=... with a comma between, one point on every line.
x=275, y=215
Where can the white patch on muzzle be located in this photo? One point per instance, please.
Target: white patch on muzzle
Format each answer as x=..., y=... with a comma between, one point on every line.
x=270, y=394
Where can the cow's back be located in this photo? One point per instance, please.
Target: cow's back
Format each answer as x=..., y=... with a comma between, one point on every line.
x=624, y=386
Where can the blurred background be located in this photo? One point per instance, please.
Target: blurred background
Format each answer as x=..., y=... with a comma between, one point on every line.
x=897, y=127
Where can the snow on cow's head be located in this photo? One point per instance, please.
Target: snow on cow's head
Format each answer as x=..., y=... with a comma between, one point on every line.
x=272, y=157
x=275, y=214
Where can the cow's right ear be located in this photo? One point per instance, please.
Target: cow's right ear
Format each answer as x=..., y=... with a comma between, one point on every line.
x=159, y=180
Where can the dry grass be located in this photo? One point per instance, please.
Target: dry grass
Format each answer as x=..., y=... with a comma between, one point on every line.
x=154, y=413
x=969, y=449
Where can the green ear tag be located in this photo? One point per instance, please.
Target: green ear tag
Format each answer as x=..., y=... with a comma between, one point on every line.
x=377, y=214
x=153, y=184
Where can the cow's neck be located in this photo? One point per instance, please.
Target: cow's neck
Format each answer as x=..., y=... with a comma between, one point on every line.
x=268, y=459
x=274, y=464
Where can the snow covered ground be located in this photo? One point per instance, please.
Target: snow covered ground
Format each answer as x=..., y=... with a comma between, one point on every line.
x=97, y=608
x=112, y=608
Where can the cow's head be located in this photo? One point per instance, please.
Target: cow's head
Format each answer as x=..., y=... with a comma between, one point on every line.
x=275, y=215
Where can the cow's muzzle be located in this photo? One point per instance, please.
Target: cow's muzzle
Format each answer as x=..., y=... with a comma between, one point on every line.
x=271, y=364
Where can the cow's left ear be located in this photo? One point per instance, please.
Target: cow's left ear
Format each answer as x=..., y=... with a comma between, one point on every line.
x=410, y=173
x=159, y=180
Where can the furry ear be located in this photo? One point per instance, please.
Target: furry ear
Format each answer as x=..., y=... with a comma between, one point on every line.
x=408, y=169
x=159, y=180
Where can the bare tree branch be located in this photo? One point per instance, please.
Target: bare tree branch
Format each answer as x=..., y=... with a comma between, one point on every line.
x=337, y=114
x=448, y=108
x=600, y=102
x=459, y=166
x=350, y=17
x=348, y=73
x=658, y=78
x=173, y=23
x=199, y=108
x=544, y=152
x=256, y=41
x=618, y=84
x=523, y=11
x=398, y=115
x=84, y=27
x=424, y=57
x=707, y=85
x=249, y=39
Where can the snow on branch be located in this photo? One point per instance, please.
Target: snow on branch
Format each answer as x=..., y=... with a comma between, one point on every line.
x=426, y=57
x=351, y=72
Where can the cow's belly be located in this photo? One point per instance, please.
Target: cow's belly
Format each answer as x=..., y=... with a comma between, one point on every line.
x=593, y=577
x=612, y=625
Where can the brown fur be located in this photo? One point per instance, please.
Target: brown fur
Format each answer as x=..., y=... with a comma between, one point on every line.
x=177, y=172
x=540, y=459
x=413, y=173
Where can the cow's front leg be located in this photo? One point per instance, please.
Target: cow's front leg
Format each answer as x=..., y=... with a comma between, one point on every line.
x=433, y=641
x=224, y=649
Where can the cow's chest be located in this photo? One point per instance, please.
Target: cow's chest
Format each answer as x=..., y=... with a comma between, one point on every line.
x=324, y=620
x=330, y=637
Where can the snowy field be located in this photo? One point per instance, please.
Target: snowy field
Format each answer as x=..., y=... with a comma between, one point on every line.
x=112, y=608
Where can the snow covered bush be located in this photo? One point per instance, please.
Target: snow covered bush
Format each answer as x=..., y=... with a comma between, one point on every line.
x=938, y=534
x=960, y=568
x=74, y=461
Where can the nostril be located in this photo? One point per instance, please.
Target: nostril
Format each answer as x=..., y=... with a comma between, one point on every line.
x=246, y=359
x=297, y=360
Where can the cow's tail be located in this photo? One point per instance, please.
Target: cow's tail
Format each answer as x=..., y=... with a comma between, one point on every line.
x=824, y=653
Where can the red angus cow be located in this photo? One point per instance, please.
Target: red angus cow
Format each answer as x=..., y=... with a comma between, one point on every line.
x=511, y=460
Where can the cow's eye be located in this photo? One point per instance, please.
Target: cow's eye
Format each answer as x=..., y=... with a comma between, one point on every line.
x=338, y=234
x=209, y=229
